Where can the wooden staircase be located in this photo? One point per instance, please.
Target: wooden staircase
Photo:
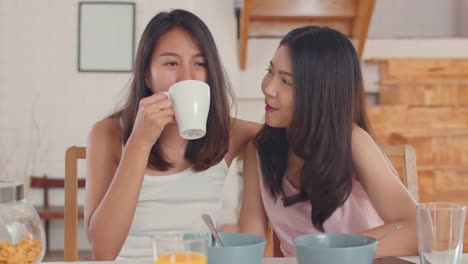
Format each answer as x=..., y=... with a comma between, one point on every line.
x=274, y=18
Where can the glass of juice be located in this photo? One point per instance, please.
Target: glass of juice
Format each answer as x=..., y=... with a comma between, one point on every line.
x=178, y=247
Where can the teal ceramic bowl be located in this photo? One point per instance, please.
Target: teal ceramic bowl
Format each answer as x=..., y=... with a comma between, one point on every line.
x=239, y=248
x=328, y=248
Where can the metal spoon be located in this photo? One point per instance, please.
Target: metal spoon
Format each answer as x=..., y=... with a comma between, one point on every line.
x=389, y=232
x=212, y=228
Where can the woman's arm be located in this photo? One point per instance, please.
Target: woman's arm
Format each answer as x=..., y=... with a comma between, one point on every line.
x=253, y=218
x=110, y=201
x=113, y=182
x=240, y=134
x=388, y=195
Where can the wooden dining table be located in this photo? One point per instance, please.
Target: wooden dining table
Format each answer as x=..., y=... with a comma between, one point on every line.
x=413, y=259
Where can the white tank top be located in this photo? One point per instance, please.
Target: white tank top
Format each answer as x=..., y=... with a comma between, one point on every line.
x=173, y=202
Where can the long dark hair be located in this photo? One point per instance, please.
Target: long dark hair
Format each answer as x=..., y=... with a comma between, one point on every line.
x=329, y=99
x=210, y=149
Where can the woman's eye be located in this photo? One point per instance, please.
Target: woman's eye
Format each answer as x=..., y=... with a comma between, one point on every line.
x=286, y=82
x=200, y=64
x=171, y=63
x=269, y=71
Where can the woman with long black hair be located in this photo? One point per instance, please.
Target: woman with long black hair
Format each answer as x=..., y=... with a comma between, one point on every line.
x=142, y=176
x=314, y=166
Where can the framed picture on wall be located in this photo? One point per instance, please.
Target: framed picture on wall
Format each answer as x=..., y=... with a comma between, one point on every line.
x=106, y=36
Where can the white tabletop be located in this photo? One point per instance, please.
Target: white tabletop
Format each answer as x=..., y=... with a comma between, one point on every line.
x=265, y=261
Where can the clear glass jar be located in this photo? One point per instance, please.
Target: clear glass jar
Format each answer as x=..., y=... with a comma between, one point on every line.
x=22, y=238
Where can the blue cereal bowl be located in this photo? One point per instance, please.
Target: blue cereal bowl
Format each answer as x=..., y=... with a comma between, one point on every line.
x=238, y=248
x=329, y=248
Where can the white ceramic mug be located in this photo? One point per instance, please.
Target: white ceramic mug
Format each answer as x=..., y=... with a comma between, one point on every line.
x=191, y=103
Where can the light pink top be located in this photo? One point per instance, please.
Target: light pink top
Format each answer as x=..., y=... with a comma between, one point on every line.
x=355, y=215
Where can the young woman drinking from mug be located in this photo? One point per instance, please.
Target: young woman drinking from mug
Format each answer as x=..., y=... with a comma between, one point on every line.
x=142, y=177
x=314, y=166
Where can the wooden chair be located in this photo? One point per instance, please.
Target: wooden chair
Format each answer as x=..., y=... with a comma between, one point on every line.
x=46, y=211
x=409, y=178
x=410, y=175
x=72, y=156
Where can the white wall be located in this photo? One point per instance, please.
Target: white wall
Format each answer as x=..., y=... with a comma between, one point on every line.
x=47, y=106
x=462, y=26
x=414, y=18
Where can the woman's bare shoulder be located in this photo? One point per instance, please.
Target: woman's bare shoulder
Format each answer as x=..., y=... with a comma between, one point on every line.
x=361, y=137
x=107, y=128
x=245, y=127
x=241, y=133
x=106, y=136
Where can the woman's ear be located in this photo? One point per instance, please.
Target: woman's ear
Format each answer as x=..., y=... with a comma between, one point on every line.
x=148, y=80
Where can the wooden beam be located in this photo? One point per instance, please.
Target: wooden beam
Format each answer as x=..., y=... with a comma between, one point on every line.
x=309, y=8
x=278, y=29
x=311, y=19
x=42, y=182
x=244, y=33
x=361, y=23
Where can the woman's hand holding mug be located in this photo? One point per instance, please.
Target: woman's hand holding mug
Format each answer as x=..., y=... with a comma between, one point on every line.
x=154, y=113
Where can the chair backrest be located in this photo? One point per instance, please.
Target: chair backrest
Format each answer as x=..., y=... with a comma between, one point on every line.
x=409, y=179
x=72, y=156
x=410, y=175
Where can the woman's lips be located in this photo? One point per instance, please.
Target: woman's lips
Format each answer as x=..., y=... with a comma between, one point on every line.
x=269, y=108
